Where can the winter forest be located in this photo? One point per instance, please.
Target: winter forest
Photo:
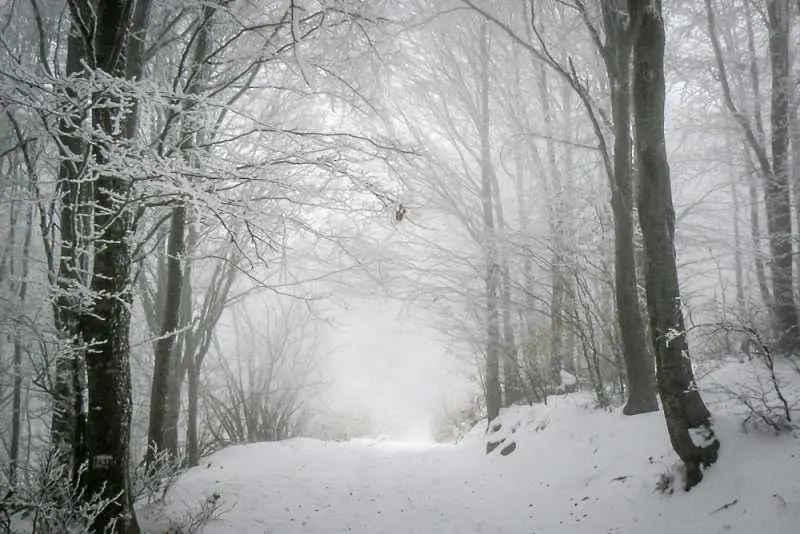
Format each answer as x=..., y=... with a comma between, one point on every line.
x=248, y=247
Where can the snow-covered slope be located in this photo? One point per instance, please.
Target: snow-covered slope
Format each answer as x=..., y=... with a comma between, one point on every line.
x=575, y=469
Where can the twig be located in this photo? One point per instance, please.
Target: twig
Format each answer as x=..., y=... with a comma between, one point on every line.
x=724, y=506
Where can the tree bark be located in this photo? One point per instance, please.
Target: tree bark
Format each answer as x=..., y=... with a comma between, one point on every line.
x=173, y=408
x=68, y=418
x=778, y=196
x=688, y=420
x=164, y=366
x=16, y=394
x=182, y=350
x=192, y=442
x=106, y=325
x=794, y=129
x=639, y=365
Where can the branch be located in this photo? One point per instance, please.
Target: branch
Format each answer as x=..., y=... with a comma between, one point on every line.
x=744, y=123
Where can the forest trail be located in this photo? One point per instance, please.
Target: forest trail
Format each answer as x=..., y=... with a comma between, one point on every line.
x=576, y=469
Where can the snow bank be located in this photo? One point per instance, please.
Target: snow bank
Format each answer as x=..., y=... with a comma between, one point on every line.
x=575, y=469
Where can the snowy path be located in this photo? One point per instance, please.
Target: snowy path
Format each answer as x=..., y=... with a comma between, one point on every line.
x=579, y=470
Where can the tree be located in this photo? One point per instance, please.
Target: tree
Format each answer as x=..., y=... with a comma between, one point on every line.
x=261, y=384
x=778, y=193
x=493, y=344
x=126, y=150
x=639, y=366
x=772, y=166
x=615, y=51
x=687, y=418
x=105, y=325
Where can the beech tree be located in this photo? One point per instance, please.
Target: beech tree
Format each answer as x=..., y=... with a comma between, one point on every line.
x=771, y=163
x=609, y=30
x=688, y=419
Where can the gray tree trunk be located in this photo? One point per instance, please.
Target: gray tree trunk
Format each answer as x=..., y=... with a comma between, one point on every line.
x=512, y=388
x=639, y=364
x=777, y=194
x=493, y=349
x=687, y=418
x=192, y=442
x=16, y=393
x=553, y=187
x=759, y=136
x=511, y=373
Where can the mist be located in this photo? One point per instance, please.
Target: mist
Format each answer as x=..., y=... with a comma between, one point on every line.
x=442, y=233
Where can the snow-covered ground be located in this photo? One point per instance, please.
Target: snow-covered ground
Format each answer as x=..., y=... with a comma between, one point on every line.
x=575, y=469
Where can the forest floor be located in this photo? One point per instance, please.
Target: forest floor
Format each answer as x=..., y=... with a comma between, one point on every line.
x=575, y=469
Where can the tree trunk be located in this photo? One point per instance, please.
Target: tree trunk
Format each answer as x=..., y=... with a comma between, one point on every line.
x=794, y=129
x=492, y=376
x=738, y=261
x=777, y=194
x=68, y=418
x=173, y=408
x=164, y=366
x=639, y=365
x=192, y=445
x=511, y=374
x=754, y=202
x=568, y=356
x=106, y=325
x=16, y=395
x=687, y=418
x=182, y=354
x=554, y=362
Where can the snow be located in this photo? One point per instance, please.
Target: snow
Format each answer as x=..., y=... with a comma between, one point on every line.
x=568, y=379
x=701, y=436
x=575, y=469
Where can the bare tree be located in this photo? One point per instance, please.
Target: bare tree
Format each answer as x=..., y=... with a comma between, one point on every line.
x=774, y=170
x=493, y=345
x=615, y=51
x=265, y=385
x=688, y=419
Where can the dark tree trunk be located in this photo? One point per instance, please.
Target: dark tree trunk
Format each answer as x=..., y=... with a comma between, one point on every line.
x=687, y=418
x=181, y=357
x=68, y=419
x=639, y=365
x=165, y=367
x=106, y=325
x=179, y=294
x=778, y=195
x=192, y=445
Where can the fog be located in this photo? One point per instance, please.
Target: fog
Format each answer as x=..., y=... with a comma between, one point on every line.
x=388, y=364
x=225, y=223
